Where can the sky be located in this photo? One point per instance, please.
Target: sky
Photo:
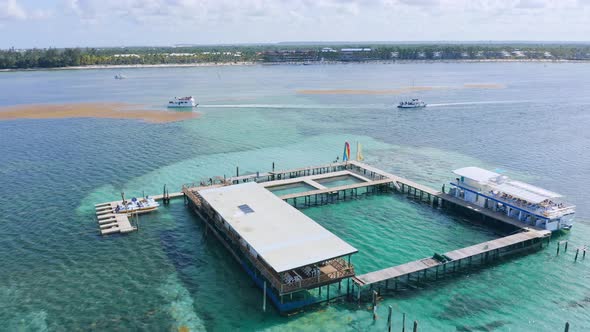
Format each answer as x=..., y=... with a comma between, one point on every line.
x=96, y=23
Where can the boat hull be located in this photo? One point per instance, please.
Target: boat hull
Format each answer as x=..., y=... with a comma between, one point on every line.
x=138, y=211
x=185, y=107
x=408, y=106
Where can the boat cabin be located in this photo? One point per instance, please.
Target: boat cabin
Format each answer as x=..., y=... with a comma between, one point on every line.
x=522, y=201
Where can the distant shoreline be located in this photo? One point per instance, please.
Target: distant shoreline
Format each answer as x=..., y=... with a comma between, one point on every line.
x=313, y=63
x=163, y=65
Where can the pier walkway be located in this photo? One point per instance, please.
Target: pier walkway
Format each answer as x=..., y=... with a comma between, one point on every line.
x=243, y=216
x=485, y=251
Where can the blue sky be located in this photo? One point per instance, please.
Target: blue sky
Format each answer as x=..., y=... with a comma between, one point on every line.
x=68, y=23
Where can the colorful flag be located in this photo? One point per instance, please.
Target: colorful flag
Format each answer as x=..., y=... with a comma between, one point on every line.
x=346, y=155
x=359, y=152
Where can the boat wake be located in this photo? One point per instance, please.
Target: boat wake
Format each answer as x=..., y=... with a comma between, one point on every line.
x=295, y=106
x=480, y=103
x=360, y=106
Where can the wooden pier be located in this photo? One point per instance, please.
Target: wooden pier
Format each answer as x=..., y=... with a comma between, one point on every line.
x=110, y=222
x=453, y=260
x=316, y=181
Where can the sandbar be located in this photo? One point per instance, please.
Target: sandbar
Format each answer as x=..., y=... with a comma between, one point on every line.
x=93, y=110
x=399, y=90
x=484, y=86
x=369, y=92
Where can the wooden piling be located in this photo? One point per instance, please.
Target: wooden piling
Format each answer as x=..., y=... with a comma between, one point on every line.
x=389, y=319
x=264, y=298
x=567, y=327
x=404, y=322
x=415, y=326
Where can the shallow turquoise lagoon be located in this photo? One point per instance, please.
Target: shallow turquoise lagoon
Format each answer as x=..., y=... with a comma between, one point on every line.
x=57, y=274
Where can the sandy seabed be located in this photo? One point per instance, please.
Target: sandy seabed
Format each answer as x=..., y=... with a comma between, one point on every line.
x=92, y=110
x=399, y=90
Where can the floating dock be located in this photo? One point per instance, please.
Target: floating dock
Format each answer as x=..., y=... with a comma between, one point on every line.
x=110, y=222
x=291, y=257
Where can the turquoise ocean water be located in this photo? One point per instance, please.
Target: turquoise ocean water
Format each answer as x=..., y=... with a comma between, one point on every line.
x=57, y=274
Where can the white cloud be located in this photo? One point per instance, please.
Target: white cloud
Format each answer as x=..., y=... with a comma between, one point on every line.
x=11, y=10
x=114, y=22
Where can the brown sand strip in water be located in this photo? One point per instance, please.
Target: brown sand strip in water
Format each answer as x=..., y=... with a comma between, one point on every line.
x=484, y=86
x=400, y=90
x=92, y=110
x=369, y=92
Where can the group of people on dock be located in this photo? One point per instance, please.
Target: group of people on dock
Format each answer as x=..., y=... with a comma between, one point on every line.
x=542, y=206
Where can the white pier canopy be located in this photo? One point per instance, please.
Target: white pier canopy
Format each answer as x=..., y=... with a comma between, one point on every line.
x=276, y=232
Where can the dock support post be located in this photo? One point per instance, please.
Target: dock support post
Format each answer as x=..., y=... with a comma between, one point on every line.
x=374, y=305
x=359, y=294
x=237, y=171
x=404, y=322
x=264, y=298
x=567, y=327
x=348, y=287
x=415, y=326
x=389, y=319
x=328, y=293
x=577, y=252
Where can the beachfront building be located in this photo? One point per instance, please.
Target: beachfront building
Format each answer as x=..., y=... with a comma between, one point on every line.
x=356, y=54
x=289, y=256
x=290, y=56
x=527, y=203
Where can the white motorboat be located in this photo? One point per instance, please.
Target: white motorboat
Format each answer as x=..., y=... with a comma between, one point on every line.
x=135, y=205
x=414, y=103
x=182, y=102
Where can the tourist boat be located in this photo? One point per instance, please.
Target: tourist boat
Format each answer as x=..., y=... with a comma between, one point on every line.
x=518, y=200
x=120, y=77
x=414, y=103
x=182, y=102
x=144, y=205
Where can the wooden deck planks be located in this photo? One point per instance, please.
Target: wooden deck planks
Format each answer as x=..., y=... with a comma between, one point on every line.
x=488, y=213
x=278, y=183
x=335, y=189
x=459, y=254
